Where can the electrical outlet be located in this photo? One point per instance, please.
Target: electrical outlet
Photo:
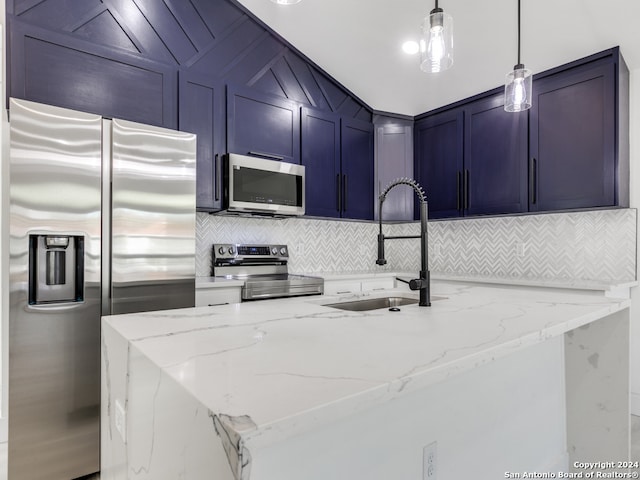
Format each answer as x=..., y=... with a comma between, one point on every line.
x=435, y=249
x=430, y=462
x=520, y=249
x=299, y=249
x=121, y=421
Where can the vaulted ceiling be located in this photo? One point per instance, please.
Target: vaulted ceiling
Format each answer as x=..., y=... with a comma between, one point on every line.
x=358, y=42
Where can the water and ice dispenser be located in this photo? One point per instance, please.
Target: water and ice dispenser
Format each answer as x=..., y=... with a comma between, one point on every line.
x=56, y=268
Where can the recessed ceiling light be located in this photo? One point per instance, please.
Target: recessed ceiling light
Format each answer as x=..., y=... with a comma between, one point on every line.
x=285, y=2
x=410, y=47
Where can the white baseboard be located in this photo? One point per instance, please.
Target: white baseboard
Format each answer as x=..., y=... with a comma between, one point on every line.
x=635, y=404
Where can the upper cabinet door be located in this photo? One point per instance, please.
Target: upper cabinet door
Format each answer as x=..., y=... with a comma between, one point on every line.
x=64, y=71
x=321, y=158
x=357, y=169
x=262, y=125
x=393, y=160
x=201, y=101
x=495, y=158
x=438, y=162
x=573, y=139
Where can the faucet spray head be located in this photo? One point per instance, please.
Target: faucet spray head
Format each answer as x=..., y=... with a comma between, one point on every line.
x=404, y=181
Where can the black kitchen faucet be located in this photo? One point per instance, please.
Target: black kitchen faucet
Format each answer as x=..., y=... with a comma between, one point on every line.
x=424, y=282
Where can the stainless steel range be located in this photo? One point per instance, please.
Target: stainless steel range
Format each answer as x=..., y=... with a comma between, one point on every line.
x=264, y=271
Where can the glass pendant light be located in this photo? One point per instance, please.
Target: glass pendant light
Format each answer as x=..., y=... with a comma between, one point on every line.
x=517, y=87
x=285, y=2
x=436, y=43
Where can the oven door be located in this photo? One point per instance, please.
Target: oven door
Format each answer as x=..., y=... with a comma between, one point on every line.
x=257, y=287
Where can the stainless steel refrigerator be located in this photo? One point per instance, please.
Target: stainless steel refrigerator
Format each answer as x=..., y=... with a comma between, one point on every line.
x=102, y=221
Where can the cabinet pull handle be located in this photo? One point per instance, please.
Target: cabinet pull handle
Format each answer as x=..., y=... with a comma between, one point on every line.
x=344, y=193
x=217, y=181
x=338, y=193
x=458, y=189
x=533, y=181
x=266, y=155
x=466, y=189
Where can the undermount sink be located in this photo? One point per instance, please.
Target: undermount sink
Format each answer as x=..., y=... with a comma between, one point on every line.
x=376, y=303
x=373, y=303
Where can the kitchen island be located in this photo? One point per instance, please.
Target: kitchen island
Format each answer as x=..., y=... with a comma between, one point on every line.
x=490, y=380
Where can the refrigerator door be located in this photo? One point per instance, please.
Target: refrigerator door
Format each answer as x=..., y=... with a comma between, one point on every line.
x=152, y=219
x=54, y=320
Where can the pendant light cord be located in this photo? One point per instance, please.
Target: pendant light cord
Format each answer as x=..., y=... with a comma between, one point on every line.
x=518, y=31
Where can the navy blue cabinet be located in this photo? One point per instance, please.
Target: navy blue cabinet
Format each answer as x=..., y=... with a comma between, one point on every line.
x=438, y=162
x=201, y=101
x=169, y=63
x=60, y=70
x=338, y=158
x=263, y=125
x=494, y=179
x=137, y=60
x=356, y=151
x=472, y=160
x=573, y=152
x=320, y=150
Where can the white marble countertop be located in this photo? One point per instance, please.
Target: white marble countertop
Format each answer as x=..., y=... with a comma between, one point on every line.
x=288, y=365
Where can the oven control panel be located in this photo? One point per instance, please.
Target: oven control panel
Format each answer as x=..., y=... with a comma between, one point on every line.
x=248, y=252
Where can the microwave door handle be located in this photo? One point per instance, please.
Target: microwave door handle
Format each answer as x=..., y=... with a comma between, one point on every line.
x=266, y=155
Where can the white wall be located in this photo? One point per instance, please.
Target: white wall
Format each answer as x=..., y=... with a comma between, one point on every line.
x=635, y=203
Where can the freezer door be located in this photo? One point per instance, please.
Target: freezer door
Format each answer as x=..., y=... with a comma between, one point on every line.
x=152, y=218
x=54, y=317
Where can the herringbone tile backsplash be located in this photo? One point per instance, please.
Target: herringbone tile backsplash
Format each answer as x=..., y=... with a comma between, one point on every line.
x=591, y=246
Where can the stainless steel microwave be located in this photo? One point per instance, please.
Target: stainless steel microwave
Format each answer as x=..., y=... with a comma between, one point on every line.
x=265, y=187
